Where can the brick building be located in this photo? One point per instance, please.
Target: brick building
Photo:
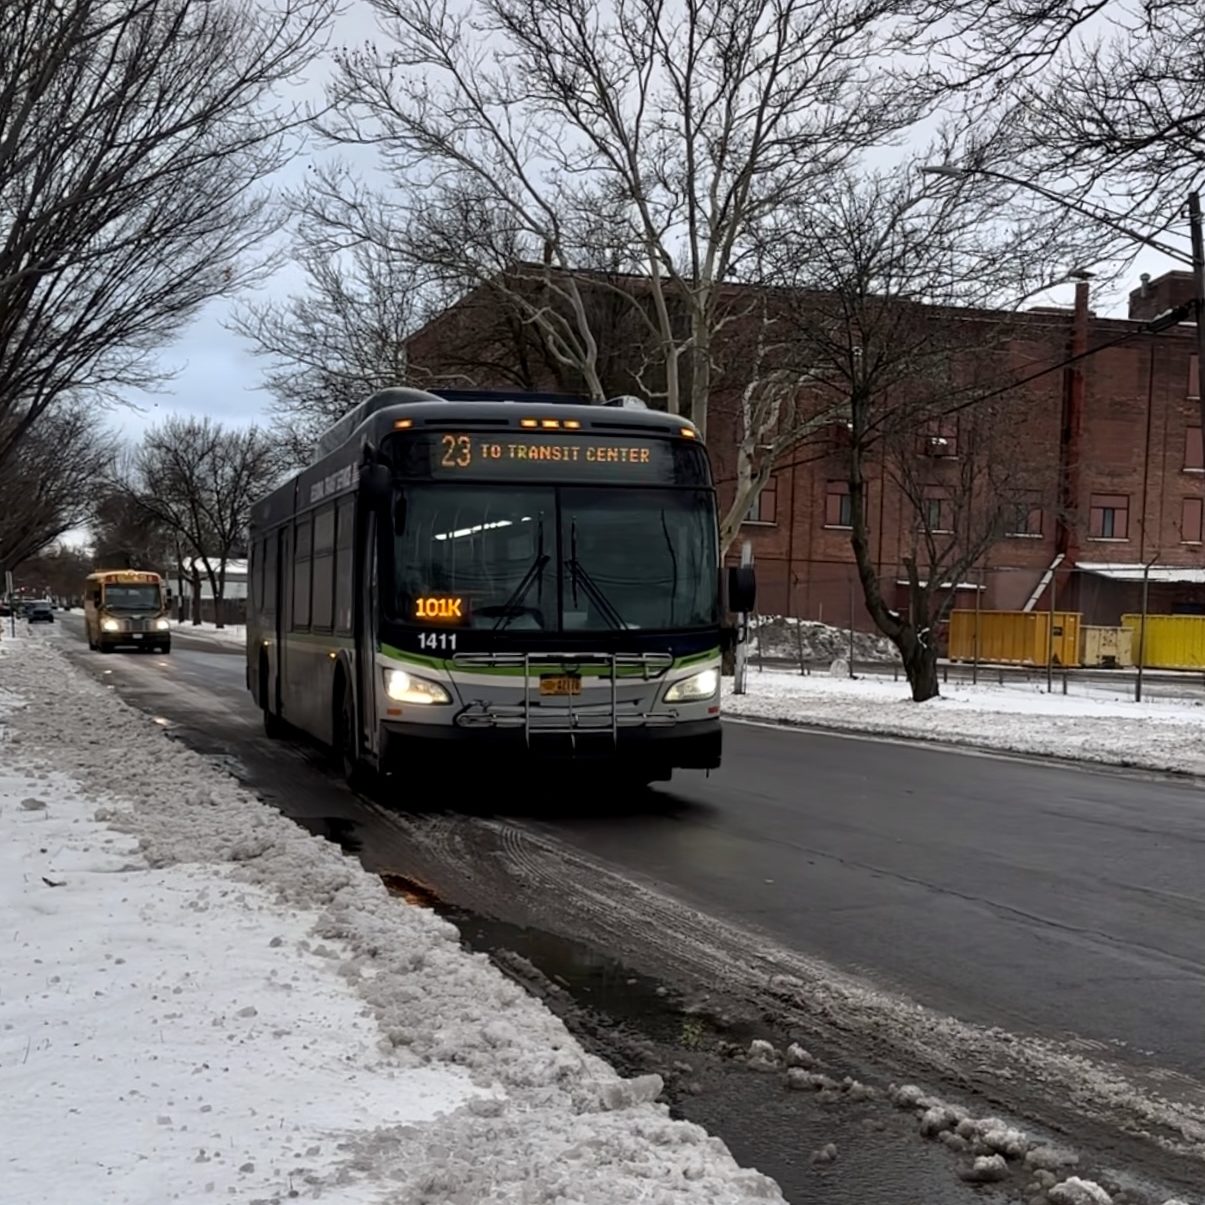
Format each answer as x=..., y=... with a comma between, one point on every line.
x=1113, y=444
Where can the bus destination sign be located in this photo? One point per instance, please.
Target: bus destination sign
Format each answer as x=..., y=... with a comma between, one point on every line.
x=532, y=455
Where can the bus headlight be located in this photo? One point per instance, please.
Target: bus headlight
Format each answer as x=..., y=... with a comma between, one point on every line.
x=403, y=687
x=702, y=685
x=162, y=625
x=110, y=625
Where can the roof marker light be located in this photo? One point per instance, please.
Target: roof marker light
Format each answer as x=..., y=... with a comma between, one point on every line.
x=402, y=424
x=572, y=424
x=528, y=422
x=688, y=433
x=550, y=424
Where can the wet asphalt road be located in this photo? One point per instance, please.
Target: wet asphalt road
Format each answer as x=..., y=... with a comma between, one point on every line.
x=1054, y=902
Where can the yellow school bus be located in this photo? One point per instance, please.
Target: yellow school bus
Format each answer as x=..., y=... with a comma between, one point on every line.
x=126, y=608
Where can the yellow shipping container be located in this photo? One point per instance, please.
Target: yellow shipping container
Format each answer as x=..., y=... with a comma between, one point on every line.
x=1015, y=637
x=1110, y=647
x=1171, y=641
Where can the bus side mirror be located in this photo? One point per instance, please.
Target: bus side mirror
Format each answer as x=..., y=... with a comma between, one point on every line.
x=376, y=485
x=742, y=588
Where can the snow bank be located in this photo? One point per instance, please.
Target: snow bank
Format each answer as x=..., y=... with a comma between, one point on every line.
x=1154, y=736
x=809, y=642
x=234, y=633
x=202, y=998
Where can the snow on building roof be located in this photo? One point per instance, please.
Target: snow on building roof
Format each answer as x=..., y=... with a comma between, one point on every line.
x=1129, y=572
x=233, y=568
x=903, y=581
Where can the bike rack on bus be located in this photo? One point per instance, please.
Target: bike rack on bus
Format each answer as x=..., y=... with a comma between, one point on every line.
x=567, y=720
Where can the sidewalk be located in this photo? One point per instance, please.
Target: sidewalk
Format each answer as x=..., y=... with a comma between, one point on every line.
x=201, y=1001
x=1163, y=736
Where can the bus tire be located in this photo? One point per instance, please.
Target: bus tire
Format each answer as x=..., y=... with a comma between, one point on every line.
x=274, y=726
x=343, y=729
x=105, y=648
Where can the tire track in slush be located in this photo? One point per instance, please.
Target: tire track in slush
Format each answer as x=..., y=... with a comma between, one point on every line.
x=1151, y=1121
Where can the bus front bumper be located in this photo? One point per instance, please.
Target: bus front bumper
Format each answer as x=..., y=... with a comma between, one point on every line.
x=689, y=745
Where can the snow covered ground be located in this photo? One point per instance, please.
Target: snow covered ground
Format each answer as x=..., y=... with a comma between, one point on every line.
x=201, y=1000
x=234, y=633
x=1154, y=736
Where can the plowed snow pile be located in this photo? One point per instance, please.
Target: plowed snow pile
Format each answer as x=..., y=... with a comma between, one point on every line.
x=1152, y=736
x=198, y=1000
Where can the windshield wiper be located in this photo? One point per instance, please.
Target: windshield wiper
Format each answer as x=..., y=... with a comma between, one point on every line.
x=514, y=604
x=593, y=591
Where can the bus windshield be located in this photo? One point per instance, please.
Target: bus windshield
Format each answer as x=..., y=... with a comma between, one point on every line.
x=556, y=558
x=130, y=597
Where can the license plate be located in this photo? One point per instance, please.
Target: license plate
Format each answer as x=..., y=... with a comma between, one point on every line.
x=560, y=686
x=136, y=635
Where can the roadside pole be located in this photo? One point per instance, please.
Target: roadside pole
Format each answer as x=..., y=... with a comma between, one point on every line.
x=8, y=593
x=851, y=627
x=978, y=612
x=742, y=633
x=1054, y=577
x=1146, y=584
x=1198, y=275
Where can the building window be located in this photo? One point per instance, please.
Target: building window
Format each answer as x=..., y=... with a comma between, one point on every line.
x=940, y=437
x=764, y=508
x=838, y=508
x=1190, y=520
x=936, y=511
x=1110, y=517
x=1193, y=459
x=1024, y=519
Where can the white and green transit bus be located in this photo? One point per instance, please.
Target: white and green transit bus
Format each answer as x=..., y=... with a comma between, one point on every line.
x=500, y=576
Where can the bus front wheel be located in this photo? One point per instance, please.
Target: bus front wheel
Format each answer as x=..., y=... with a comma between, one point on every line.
x=345, y=737
x=273, y=725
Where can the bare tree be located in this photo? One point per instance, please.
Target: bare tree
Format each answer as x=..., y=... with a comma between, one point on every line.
x=544, y=145
x=49, y=483
x=132, y=139
x=1124, y=115
x=59, y=571
x=889, y=279
x=125, y=535
x=198, y=480
x=341, y=339
x=370, y=288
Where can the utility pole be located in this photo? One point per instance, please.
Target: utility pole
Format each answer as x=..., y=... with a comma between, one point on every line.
x=1198, y=276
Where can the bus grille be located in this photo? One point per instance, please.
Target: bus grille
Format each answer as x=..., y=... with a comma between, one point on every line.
x=572, y=719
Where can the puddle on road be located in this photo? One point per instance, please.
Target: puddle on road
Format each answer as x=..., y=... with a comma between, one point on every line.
x=341, y=830
x=639, y=1026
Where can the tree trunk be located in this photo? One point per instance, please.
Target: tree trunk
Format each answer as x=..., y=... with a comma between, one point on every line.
x=919, y=655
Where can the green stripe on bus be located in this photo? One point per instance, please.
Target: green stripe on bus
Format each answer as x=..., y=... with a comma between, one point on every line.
x=446, y=665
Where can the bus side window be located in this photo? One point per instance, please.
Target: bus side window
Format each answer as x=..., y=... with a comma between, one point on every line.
x=344, y=565
x=268, y=564
x=303, y=535
x=322, y=605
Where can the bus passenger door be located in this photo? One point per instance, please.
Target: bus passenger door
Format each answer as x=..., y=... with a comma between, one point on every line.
x=366, y=611
x=284, y=608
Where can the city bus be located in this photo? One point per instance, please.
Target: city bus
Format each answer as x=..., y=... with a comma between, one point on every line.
x=126, y=608
x=525, y=577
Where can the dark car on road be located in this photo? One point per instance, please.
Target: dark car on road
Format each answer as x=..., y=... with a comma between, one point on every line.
x=39, y=611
